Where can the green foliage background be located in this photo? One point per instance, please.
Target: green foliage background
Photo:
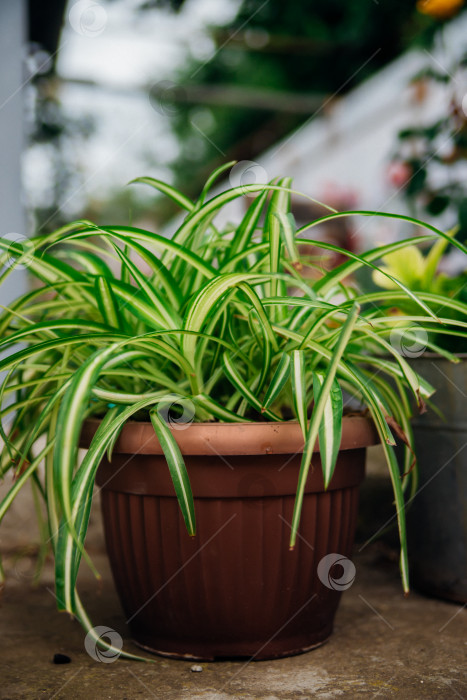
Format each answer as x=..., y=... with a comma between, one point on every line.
x=312, y=47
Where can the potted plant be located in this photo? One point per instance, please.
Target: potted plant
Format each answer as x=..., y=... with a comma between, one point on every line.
x=437, y=518
x=427, y=168
x=209, y=399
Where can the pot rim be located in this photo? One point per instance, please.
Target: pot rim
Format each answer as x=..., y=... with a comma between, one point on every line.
x=217, y=439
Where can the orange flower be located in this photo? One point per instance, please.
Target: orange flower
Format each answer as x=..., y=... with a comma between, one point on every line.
x=439, y=9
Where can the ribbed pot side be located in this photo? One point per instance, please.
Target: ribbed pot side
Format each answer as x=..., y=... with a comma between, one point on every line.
x=437, y=518
x=235, y=589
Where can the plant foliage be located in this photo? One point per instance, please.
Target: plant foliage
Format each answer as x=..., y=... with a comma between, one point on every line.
x=130, y=325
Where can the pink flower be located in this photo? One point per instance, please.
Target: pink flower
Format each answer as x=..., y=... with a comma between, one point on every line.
x=399, y=173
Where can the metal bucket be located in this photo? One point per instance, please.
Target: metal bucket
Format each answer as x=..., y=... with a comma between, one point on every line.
x=437, y=518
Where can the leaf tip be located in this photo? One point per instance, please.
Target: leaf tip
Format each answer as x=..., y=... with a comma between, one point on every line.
x=421, y=403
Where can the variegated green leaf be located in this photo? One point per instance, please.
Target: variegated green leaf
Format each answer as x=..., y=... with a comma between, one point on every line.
x=299, y=389
x=288, y=232
x=69, y=421
x=162, y=312
x=107, y=303
x=237, y=381
x=177, y=469
x=317, y=415
x=214, y=408
x=244, y=233
x=330, y=428
x=278, y=381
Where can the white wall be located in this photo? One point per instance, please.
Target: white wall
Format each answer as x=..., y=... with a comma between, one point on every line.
x=349, y=143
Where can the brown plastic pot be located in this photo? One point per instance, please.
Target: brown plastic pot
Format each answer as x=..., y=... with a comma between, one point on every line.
x=235, y=589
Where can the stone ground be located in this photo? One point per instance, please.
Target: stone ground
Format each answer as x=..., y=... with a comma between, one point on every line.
x=383, y=646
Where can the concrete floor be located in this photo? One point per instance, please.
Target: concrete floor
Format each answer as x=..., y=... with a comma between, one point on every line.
x=383, y=646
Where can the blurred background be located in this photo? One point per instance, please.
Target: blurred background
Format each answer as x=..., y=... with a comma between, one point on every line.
x=363, y=103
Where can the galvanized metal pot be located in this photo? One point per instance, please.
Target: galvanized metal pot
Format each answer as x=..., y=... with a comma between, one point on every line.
x=234, y=590
x=437, y=518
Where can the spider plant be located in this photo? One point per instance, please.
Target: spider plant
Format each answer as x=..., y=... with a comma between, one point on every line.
x=124, y=319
